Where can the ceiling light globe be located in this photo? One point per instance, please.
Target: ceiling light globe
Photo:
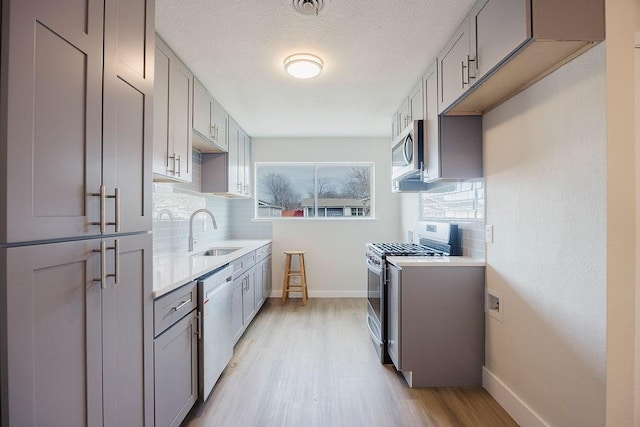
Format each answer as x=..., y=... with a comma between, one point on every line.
x=303, y=65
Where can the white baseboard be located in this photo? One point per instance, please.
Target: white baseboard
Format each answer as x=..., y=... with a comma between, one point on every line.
x=511, y=402
x=323, y=294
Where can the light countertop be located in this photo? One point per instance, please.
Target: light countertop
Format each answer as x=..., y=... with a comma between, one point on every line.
x=179, y=268
x=429, y=261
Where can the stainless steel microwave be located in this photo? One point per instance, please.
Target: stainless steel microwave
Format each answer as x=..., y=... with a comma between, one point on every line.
x=407, y=151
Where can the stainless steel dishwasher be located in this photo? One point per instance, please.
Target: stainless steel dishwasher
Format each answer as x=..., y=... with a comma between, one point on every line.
x=216, y=339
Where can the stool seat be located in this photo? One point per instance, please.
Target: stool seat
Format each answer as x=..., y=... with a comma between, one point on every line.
x=287, y=286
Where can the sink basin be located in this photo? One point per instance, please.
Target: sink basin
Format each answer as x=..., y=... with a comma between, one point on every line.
x=217, y=251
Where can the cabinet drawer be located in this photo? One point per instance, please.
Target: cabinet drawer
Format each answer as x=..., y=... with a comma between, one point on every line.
x=263, y=252
x=170, y=308
x=244, y=262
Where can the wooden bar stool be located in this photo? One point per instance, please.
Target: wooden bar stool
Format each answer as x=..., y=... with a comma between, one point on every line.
x=287, y=286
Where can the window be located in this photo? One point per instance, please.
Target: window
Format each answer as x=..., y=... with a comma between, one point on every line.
x=314, y=190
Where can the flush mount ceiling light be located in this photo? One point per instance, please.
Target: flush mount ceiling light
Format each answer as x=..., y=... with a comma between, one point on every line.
x=303, y=65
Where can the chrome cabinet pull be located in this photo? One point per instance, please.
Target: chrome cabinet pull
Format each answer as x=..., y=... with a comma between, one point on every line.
x=103, y=264
x=116, y=196
x=463, y=67
x=116, y=262
x=179, y=163
x=173, y=156
x=102, y=194
x=182, y=304
x=469, y=68
x=198, y=331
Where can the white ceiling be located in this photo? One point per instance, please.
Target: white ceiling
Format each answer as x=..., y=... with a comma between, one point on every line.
x=374, y=52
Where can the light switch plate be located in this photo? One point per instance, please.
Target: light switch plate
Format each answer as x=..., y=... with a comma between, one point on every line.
x=488, y=233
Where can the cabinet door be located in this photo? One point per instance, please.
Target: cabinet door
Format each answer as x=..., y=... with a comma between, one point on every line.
x=52, y=116
x=404, y=115
x=249, y=296
x=454, y=66
x=161, y=145
x=127, y=327
x=202, y=111
x=395, y=125
x=393, y=316
x=259, y=284
x=53, y=335
x=432, y=125
x=237, y=319
x=176, y=371
x=500, y=28
x=267, y=279
x=416, y=102
x=234, y=185
x=180, y=111
x=127, y=146
x=246, y=189
x=220, y=123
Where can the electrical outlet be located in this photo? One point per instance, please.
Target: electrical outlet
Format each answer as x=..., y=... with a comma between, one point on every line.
x=494, y=304
x=488, y=233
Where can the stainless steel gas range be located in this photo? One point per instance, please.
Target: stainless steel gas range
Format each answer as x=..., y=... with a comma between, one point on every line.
x=436, y=240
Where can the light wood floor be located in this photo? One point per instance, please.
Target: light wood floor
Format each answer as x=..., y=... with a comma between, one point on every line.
x=315, y=365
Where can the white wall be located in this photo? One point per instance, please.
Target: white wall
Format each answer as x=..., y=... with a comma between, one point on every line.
x=335, y=248
x=545, y=174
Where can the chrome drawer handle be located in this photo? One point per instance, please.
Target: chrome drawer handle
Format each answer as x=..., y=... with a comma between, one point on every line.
x=182, y=304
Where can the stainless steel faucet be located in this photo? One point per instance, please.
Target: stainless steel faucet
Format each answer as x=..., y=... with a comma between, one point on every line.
x=191, y=238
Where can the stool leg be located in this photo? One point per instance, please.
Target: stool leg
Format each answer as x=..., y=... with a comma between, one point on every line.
x=285, y=280
x=303, y=280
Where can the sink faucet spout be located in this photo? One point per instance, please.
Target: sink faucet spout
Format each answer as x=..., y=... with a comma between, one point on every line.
x=191, y=236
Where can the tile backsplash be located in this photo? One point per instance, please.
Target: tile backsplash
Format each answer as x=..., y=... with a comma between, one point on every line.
x=173, y=204
x=461, y=203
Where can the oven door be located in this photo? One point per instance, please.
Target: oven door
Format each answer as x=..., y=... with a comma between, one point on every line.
x=376, y=309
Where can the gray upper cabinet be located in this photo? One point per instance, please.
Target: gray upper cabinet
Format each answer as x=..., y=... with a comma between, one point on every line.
x=209, y=122
x=431, y=125
x=515, y=43
x=416, y=103
x=229, y=173
x=220, y=125
x=404, y=114
x=454, y=66
x=172, y=122
x=65, y=140
x=63, y=326
x=501, y=26
x=127, y=146
x=52, y=113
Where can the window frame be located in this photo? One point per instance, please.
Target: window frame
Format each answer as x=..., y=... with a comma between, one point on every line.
x=316, y=165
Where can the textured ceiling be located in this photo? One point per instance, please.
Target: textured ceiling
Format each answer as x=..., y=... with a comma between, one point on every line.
x=374, y=52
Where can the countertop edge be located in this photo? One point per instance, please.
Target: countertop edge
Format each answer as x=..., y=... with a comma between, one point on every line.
x=183, y=267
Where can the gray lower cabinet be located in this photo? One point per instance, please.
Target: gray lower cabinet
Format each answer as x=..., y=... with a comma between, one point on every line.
x=176, y=371
x=77, y=351
x=263, y=281
x=435, y=326
x=249, y=296
x=237, y=319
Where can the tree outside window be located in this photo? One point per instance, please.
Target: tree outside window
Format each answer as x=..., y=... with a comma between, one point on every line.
x=314, y=190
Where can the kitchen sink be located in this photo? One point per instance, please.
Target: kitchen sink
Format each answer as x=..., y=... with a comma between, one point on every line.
x=217, y=251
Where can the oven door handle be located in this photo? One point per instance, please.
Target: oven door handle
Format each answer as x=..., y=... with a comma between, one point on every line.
x=370, y=323
x=374, y=268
